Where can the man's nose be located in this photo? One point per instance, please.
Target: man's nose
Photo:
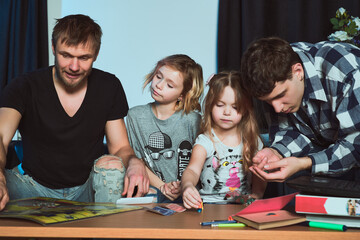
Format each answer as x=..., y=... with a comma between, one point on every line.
x=278, y=107
x=74, y=65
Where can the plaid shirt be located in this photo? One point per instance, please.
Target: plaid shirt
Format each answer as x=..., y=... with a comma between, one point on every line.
x=327, y=126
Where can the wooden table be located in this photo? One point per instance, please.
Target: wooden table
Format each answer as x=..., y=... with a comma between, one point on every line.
x=147, y=225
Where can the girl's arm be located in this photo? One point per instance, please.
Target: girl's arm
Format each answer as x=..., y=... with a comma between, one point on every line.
x=190, y=177
x=168, y=189
x=155, y=181
x=258, y=187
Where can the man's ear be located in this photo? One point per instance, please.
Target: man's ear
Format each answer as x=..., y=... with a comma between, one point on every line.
x=53, y=49
x=298, y=70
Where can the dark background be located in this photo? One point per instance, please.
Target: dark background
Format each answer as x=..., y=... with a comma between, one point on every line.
x=23, y=38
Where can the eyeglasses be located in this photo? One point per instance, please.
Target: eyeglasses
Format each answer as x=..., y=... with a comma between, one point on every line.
x=167, y=154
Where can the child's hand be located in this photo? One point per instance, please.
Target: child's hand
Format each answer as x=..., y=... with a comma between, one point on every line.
x=191, y=197
x=171, y=190
x=175, y=187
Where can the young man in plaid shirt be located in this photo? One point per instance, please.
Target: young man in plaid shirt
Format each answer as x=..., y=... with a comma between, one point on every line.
x=313, y=110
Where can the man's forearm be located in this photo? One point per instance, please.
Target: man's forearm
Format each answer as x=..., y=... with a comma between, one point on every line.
x=2, y=163
x=2, y=157
x=126, y=154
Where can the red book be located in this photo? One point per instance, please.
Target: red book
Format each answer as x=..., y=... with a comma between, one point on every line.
x=268, y=213
x=326, y=205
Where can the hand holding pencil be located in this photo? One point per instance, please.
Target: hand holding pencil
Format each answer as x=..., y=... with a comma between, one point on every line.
x=191, y=197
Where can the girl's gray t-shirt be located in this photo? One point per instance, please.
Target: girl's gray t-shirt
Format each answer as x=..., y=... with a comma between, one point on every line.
x=165, y=145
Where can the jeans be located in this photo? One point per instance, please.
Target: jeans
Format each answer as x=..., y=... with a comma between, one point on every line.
x=103, y=185
x=161, y=198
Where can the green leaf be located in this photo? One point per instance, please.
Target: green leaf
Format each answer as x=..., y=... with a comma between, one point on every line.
x=334, y=21
x=342, y=22
x=352, y=25
x=352, y=30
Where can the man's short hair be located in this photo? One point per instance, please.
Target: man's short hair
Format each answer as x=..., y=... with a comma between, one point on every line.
x=265, y=62
x=77, y=29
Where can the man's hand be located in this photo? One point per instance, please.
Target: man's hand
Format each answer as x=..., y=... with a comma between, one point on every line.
x=266, y=155
x=4, y=195
x=262, y=158
x=136, y=176
x=279, y=171
x=171, y=190
x=9, y=122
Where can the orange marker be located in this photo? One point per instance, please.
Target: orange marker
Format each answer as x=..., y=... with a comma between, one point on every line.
x=201, y=207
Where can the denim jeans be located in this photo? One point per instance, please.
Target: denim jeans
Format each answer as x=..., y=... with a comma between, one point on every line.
x=108, y=184
x=103, y=185
x=161, y=198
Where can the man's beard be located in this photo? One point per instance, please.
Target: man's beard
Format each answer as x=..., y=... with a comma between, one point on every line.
x=69, y=85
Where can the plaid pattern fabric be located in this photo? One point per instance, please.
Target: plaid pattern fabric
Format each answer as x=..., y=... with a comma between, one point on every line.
x=326, y=128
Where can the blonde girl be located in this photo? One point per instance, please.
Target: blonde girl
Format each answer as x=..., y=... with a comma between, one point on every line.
x=162, y=132
x=223, y=151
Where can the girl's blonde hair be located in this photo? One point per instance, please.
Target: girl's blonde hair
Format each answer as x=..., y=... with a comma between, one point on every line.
x=247, y=127
x=193, y=80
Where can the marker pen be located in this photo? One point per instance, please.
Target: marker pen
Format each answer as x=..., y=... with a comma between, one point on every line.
x=221, y=225
x=217, y=222
x=201, y=207
x=332, y=226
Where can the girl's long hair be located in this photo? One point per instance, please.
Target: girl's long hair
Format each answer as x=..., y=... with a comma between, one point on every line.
x=193, y=80
x=247, y=127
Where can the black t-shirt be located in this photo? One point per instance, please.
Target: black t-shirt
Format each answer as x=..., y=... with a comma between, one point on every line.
x=59, y=150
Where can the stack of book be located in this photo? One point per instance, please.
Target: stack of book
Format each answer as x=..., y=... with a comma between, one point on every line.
x=327, y=200
x=329, y=209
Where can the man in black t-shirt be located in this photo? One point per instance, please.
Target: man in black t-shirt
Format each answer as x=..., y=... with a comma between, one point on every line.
x=63, y=113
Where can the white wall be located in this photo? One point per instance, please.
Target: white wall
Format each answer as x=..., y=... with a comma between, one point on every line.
x=138, y=33
x=54, y=12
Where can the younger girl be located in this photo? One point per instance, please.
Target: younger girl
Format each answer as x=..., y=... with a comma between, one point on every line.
x=222, y=153
x=162, y=133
